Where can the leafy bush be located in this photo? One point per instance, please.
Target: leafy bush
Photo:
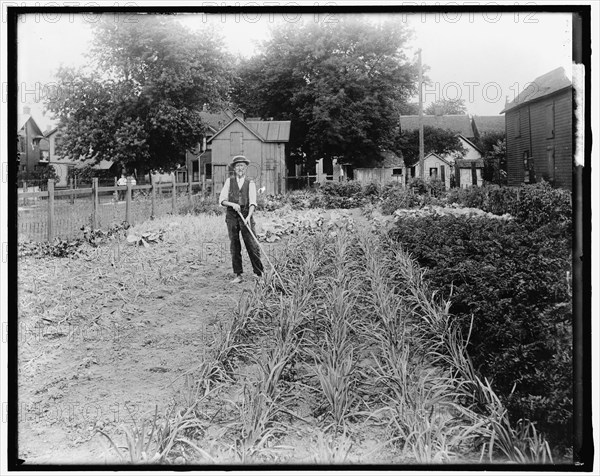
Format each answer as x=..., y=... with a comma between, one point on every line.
x=395, y=196
x=270, y=202
x=514, y=281
x=347, y=189
x=210, y=207
x=533, y=205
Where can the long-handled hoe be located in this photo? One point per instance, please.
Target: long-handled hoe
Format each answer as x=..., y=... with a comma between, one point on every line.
x=262, y=250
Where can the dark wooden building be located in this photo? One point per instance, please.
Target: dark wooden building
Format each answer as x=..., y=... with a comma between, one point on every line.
x=539, y=136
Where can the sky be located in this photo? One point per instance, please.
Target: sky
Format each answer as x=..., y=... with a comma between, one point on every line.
x=482, y=59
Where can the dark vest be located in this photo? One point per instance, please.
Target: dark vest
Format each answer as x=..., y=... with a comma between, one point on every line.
x=242, y=197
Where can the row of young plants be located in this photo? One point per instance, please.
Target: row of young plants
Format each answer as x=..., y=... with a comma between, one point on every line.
x=350, y=339
x=344, y=339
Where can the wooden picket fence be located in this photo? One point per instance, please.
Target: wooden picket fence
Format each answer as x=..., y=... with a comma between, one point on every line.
x=54, y=225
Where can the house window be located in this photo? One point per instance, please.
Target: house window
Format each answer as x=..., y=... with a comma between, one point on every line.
x=433, y=172
x=396, y=171
x=208, y=170
x=443, y=172
x=236, y=143
x=549, y=122
x=518, y=124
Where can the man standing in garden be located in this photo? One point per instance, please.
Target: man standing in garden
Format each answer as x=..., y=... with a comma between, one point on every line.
x=239, y=196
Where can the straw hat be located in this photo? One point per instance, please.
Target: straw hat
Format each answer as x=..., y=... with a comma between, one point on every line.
x=239, y=159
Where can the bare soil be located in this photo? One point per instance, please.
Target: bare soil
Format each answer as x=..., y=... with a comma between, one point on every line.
x=94, y=355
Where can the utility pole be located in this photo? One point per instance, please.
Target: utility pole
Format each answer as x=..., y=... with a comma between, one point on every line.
x=421, y=139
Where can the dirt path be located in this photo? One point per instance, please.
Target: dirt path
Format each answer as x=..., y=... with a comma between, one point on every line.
x=93, y=361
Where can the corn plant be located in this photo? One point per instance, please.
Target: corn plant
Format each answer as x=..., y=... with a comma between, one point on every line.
x=447, y=347
x=255, y=422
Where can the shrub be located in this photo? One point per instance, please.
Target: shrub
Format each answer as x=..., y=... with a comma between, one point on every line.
x=513, y=281
x=349, y=189
x=533, y=205
x=395, y=197
x=210, y=207
x=541, y=204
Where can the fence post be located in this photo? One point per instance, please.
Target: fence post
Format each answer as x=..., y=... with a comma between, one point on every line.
x=173, y=194
x=152, y=197
x=25, y=201
x=189, y=186
x=50, y=209
x=128, y=203
x=203, y=186
x=95, y=206
x=116, y=196
x=71, y=186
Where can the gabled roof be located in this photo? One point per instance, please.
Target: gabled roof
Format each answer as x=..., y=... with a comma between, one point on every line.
x=272, y=131
x=265, y=131
x=487, y=124
x=471, y=144
x=49, y=132
x=457, y=123
x=215, y=120
x=241, y=121
x=23, y=119
x=390, y=160
x=439, y=157
x=541, y=86
x=467, y=163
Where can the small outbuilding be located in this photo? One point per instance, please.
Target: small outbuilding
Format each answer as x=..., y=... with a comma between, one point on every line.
x=262, y=142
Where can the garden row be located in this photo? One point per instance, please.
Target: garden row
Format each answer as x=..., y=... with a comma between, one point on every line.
x=347, y=338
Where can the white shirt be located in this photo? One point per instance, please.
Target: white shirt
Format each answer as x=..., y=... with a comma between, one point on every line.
x=251, y=191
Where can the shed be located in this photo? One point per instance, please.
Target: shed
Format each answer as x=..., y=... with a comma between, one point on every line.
x=539, y=132
x=262, y=142
x=438, y=167
x=391, y=169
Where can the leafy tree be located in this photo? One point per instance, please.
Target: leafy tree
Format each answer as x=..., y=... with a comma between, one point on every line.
x=137, y=101
x=436, y=140
x=446, y=106
x=340, y=84
x=488, y=140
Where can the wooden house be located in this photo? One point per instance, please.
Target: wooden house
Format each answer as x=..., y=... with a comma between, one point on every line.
x=539, y=132
x=29, y=135
x=441, y=167
x=262, y=142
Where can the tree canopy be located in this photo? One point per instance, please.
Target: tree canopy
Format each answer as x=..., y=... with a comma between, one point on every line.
x=446, y=107
x=340, y=84
x=138, y=99
x=436, y=140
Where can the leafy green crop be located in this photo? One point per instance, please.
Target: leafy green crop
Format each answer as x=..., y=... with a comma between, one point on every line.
x=515, y=282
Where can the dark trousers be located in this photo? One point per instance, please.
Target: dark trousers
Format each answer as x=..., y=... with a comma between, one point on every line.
x=235, y=226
